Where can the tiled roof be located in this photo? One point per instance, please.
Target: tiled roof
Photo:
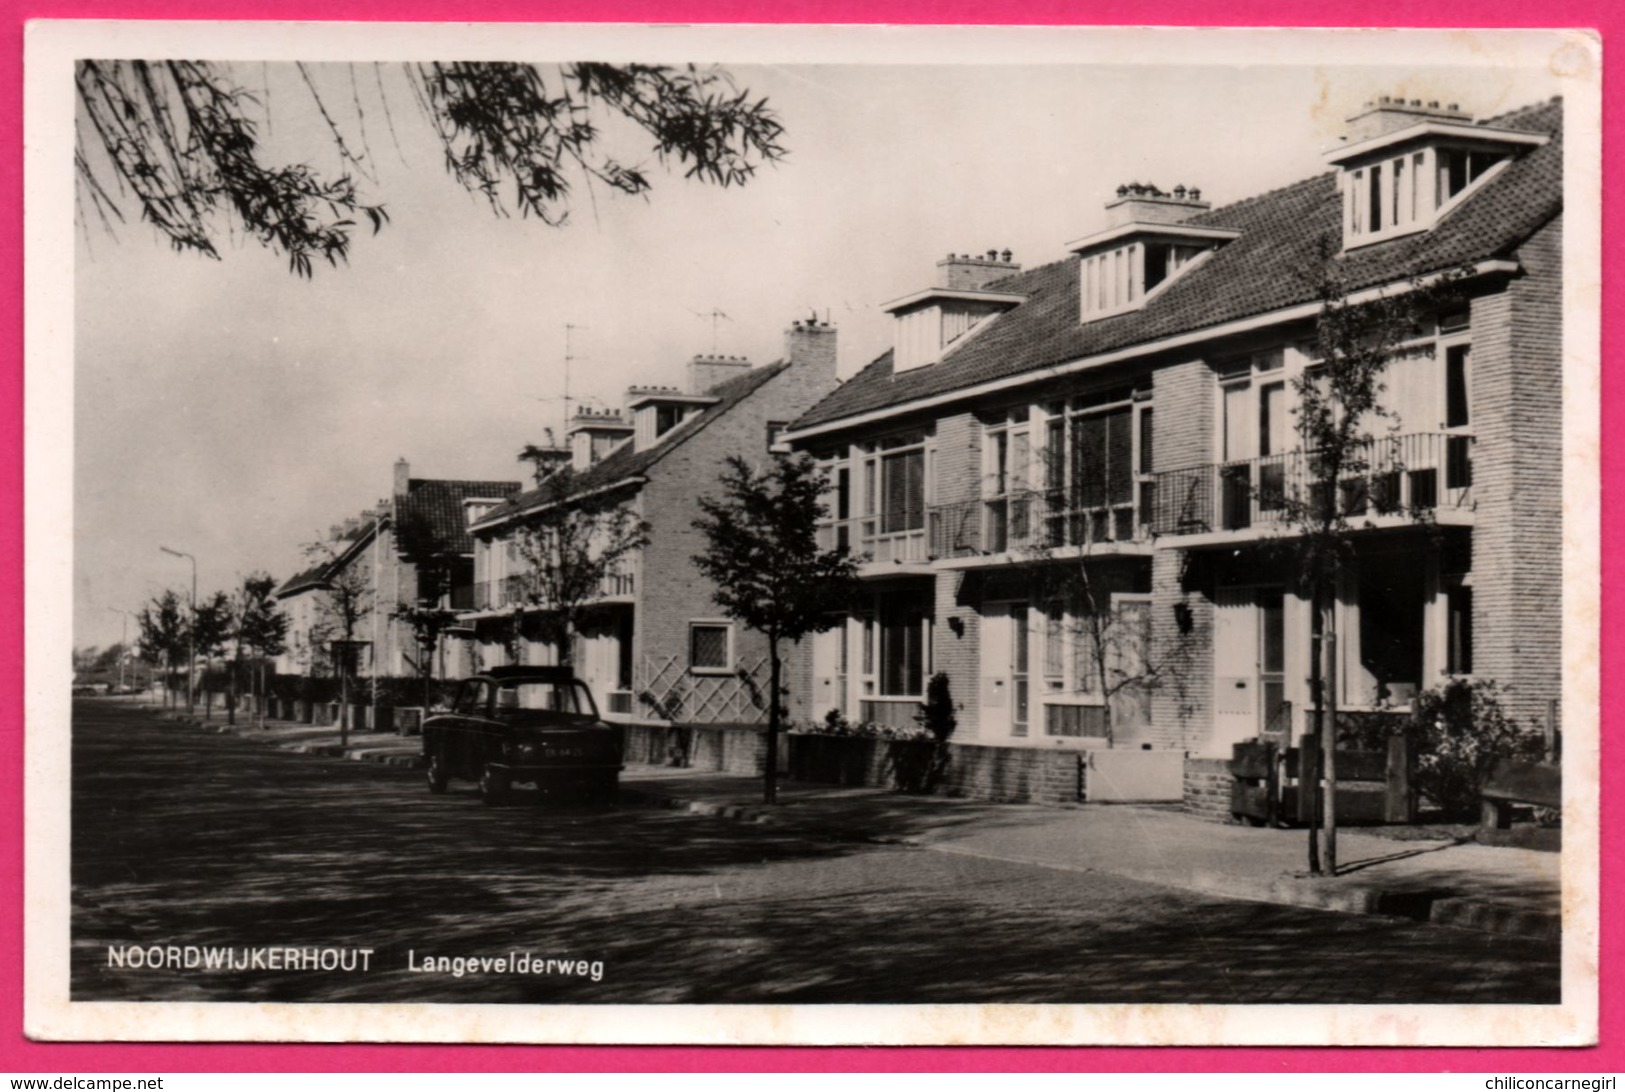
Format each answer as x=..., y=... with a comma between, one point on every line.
x=313, y=577
x=433, y=507
x=1271, y=265
x=623, y=462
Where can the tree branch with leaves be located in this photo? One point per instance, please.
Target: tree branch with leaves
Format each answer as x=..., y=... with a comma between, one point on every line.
x=182, y=141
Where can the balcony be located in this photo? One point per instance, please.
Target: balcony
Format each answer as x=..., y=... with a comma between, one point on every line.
x=1401, y=478
x=509, y=591
x=1037, y=522
x=862, y=536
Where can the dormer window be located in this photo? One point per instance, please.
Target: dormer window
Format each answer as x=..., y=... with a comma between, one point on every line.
x=1407, y=165
x=1121, y=269
x=932, y=322
x=658, y=410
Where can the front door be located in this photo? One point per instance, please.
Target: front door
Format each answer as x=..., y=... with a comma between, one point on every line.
x=829, y=671
x=1006, y=666
x=1235, y=668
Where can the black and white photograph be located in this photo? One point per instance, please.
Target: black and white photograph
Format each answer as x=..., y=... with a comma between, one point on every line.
x=812, y=535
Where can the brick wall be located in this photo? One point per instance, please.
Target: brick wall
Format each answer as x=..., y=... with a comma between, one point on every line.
x=671, y=591
x=1207, y=788
x=956, y=641
x=1025, y=775
x=1181, y=709
x=1184, y=397
x=1516, y=411
x=735, y=749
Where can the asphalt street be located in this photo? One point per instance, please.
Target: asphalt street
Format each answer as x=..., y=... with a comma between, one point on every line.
x=189, y=839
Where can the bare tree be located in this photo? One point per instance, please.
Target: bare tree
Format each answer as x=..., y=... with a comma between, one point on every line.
x=163, y=635
x=569, y=551
x=1347, y=469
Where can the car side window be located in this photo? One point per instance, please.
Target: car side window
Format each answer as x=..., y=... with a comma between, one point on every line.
x=471, y=698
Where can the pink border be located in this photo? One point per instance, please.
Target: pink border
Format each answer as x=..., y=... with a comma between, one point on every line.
x=21, y=1056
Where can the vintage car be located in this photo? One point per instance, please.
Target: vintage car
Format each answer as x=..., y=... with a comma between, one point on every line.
x=517, y=725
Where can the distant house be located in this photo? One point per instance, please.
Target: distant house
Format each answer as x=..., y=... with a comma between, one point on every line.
x=411, y=549
x=1130, y=409
x=658, y=648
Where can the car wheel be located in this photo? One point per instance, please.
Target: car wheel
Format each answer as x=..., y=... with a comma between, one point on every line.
x=437, y=774
x=494, y=786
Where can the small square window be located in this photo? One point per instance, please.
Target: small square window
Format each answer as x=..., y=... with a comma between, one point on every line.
x=775, y=429
x=708, y=647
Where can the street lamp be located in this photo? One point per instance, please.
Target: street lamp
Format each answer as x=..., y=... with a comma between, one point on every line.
x=191, y=628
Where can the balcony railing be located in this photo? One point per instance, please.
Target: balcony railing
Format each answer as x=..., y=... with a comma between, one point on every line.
x=861, y=536
x=1397, y=475
x=1034, y=521
x=509, y=591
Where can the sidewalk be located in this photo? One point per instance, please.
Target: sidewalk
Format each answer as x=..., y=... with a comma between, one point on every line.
x=1496, y=889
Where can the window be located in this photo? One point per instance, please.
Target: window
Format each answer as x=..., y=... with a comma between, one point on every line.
x=775, y=429
x=1389, y=671
x=903, y=624
x=1457, y=361
x=667, y=418
x=1405, y=193
x=710, y=647
x=1459, y=630
x=1091, y=466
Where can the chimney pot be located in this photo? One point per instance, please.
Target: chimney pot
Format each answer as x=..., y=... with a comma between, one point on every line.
x=1416, y=102
x=1433, y=104
x=1453, y=107
x=993, y=255
x=1006, y=256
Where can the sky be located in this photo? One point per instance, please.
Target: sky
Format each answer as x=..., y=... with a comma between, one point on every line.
x=233, y=411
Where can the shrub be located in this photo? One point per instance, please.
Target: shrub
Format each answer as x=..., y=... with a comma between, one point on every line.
x=835, y=724
x=1458, y=733
x=936, y=716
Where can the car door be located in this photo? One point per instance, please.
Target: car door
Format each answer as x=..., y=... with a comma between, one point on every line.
x=463, y=742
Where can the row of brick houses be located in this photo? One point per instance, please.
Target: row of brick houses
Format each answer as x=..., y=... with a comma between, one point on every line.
x=1125, y=415
x=1129, y=409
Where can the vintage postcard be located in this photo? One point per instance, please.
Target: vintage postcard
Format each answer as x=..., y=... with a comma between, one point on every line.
x=813, y=535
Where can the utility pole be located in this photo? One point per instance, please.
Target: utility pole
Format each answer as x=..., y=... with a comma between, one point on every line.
x=191, y=629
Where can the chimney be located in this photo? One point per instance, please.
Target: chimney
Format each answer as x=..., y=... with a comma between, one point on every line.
x=1390, y=113
x=706, y=371
x=1144, y=203
x=973, y=272
x=809, y=346
x=403, y=476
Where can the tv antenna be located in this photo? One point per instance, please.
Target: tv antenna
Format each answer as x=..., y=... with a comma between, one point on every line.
x=569, y=355
x=714, y=314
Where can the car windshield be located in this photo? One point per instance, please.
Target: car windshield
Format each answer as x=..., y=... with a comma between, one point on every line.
x=523, y=695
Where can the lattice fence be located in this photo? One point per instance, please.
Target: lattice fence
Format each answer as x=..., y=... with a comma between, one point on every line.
x=665, y=690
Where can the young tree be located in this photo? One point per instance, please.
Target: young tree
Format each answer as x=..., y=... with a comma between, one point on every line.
x=261, y=629
x=182, y=138
x=1340, y=408
x=568, y=551
x=212, y=628
x=346, y=600
x=428, y=622
x=163, y=627
x=768, y=572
